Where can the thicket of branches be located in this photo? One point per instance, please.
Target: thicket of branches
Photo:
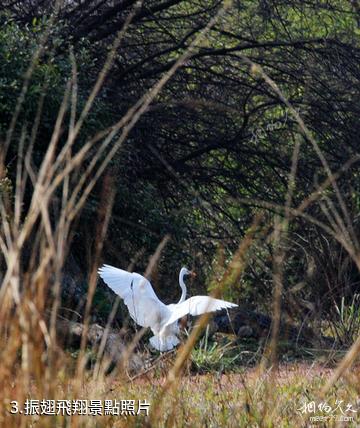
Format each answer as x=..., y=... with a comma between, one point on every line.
x=215, y=147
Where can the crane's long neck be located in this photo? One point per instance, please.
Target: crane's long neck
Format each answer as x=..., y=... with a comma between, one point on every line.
x=183, y=287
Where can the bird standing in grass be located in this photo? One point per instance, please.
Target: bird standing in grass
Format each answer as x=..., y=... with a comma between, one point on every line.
x=148, y=311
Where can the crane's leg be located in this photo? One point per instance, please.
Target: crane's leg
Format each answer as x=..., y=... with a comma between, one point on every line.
x=162, y=342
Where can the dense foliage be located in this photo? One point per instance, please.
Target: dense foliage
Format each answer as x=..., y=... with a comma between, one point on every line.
x=216, y=145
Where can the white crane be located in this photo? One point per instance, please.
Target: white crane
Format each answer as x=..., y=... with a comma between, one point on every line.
x=148, y=311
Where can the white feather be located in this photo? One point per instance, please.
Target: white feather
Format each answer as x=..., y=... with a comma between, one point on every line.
x=137, y=293
x=197, y=305
x=148, y=311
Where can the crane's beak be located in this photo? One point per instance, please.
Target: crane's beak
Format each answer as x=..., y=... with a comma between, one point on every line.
x=193, y=274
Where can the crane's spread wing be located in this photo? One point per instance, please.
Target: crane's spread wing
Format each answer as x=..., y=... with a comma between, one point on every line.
x=197, y=305
x=144, y=306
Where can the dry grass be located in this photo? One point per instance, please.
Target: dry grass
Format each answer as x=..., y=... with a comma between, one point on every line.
x=242, y=399
x=33, y=363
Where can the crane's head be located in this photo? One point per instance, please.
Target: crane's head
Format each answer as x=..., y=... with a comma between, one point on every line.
x=186, y=271
x=183, y=273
